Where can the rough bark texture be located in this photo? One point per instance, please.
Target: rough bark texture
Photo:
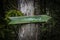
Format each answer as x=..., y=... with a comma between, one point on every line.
x=29, y=8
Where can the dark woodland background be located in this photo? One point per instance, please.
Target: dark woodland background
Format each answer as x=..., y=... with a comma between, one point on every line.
x=52, y=28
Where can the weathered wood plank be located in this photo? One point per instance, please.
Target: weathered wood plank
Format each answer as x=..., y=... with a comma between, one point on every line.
x=29, y=19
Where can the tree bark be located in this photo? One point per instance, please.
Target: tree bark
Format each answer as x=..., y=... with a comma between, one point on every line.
x=29, y=8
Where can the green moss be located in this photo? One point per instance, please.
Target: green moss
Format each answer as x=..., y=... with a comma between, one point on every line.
x=12, y=13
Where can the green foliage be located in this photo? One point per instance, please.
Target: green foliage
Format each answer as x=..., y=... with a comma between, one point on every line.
x=12, y=13
x=11, y=30
x=6, y=29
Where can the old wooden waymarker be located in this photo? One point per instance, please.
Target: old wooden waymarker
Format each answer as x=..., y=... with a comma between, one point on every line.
x=29, y=19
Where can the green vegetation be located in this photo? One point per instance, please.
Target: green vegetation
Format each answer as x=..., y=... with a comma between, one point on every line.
x=12, y=13
x=9, y=31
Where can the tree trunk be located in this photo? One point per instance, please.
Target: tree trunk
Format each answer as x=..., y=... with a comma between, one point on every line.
x=29, y=8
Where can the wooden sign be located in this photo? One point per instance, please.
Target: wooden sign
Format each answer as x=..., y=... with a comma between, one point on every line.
x=29, y=19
